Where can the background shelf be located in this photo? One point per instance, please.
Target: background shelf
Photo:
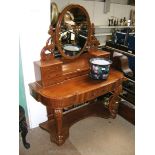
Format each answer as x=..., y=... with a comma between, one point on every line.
x=112, y=27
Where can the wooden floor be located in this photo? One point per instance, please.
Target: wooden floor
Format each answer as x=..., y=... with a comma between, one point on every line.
x=90, y=136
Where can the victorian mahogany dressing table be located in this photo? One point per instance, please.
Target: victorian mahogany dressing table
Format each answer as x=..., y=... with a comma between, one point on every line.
x=63, y=82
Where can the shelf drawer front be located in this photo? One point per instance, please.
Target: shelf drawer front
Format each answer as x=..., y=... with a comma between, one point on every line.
x=51, y=72
x=91, y=95
x=51, y=80
x=51, y=69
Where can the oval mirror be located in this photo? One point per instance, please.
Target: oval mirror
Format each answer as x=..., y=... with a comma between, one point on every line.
x=72, y=31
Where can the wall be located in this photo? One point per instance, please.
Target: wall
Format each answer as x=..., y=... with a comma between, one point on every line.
x=34, y=24
x=22, y=97
x=35, y=21
x=95, y=10
x=119, y=1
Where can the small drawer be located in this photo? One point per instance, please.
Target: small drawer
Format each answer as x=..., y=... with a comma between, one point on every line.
x=48, y=73
x=51, y=76
x=50, y=69
x=91, y=95
x=99, y=92
x=48, y=82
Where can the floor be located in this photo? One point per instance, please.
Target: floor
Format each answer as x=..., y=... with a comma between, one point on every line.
x=91, y=136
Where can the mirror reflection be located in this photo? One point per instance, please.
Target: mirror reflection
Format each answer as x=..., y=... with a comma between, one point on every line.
x=73, y=31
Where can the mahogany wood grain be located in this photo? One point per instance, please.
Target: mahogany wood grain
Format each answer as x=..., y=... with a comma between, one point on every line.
x=58, y=117
x=50, y=112
x=77, y=90
x=48, y=72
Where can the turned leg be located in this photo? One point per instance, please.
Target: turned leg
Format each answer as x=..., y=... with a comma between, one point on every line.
x=59, y=132
x=114, y=102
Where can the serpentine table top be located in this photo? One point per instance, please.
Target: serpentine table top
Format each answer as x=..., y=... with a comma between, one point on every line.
x=76, y=90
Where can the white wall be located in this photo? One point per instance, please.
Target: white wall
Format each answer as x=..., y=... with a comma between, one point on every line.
x=35, y=21
x=119, y=1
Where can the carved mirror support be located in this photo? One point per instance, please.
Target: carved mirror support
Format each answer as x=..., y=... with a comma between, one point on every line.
x=71, y=35
x=47, y=53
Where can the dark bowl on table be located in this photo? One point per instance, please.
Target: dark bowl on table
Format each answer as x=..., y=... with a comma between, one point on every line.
x=99, y=68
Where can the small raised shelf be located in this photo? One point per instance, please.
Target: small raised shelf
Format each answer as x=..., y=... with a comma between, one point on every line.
x=103, y=34
x=112, y=27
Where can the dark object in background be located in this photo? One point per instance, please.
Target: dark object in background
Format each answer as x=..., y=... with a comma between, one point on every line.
x=120, y=62
x=128, y=92
x=23, y=126
x=126, y=39
x=131, y=2
x=127, y=111
x=131, y=42
x=132, y=64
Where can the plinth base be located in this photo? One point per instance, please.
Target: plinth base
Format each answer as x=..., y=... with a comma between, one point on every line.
x=92, y=109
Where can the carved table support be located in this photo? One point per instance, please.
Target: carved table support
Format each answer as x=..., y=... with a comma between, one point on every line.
x=58, y=126
x=58, y=132
x=113, y=101
x=58, y=117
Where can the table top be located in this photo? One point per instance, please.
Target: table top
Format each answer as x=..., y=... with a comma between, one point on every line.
x=79, y=89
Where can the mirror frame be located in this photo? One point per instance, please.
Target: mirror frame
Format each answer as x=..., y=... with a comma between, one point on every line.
x=58, y=30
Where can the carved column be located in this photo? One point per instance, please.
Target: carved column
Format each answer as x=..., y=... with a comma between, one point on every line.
x=114, y=101
x=58, y=118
